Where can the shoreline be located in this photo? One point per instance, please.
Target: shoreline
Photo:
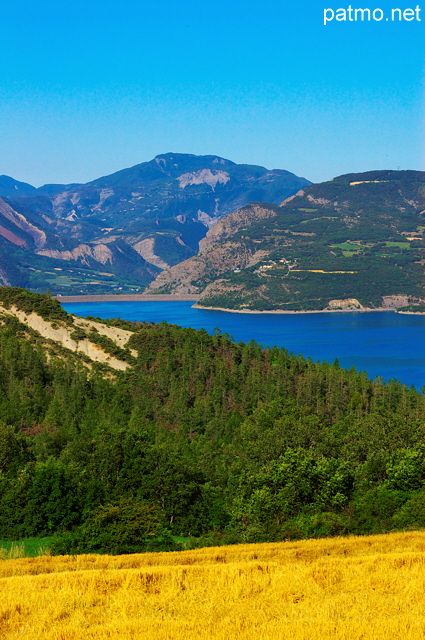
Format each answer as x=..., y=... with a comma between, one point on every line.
x=140, y=297
x=130, y=297
x=412, y=313
x=292, y=312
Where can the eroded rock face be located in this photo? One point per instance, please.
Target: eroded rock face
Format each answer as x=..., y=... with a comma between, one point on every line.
x=4, y=282
x=228, y=226
x=99, y=252
x=216, y=255
x=62, y=334
x=146, y=248
x=20, y=222
x=205, y=176
x=347, y=303
x=179, y=279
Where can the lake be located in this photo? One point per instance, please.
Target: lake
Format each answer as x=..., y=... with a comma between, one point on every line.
x=383, y=343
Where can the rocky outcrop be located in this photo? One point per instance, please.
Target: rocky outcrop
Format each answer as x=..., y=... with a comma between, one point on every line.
x=217, y=256
x=234, y=222
x=146, y=248
x=395, y=302
x=347, y=304
x=4, y=282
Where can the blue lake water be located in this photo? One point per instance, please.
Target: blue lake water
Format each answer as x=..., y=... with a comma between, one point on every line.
x=385, y=344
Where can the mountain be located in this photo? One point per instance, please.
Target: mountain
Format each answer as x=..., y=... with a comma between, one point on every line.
x=164, y=207
x=189, y=188
x=133, y=223
x=10, y=188
x=355, y=241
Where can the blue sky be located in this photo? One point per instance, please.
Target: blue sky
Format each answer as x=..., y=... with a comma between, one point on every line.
x=86, y=90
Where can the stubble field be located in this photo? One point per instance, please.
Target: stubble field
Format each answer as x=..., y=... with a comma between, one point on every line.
x=364, y=588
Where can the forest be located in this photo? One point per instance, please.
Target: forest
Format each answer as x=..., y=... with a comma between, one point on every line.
x=200, y=441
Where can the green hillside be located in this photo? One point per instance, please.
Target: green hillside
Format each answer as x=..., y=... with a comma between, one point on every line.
x=194, y=436
x=355, y=241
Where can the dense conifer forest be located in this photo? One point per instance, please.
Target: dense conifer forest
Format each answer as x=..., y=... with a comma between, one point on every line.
x=200, y=438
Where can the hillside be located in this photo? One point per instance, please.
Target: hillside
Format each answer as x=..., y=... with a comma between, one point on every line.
x=120, y=231
x=369, y=587
x=354, y=242
x=116, y=436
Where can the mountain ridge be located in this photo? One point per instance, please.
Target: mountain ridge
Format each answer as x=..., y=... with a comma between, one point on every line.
x=136, y=221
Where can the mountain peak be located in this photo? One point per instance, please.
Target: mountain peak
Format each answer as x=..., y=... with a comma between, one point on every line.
x=176, y=158
x=177, y=163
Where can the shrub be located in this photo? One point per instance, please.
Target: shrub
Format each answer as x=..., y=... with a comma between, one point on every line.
x=128, y=526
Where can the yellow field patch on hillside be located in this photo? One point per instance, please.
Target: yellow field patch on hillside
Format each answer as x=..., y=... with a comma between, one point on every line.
x=346, y=588
x=353, y=184
x=321, y=271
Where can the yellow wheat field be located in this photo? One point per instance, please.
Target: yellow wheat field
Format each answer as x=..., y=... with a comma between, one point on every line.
x=347, y=588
